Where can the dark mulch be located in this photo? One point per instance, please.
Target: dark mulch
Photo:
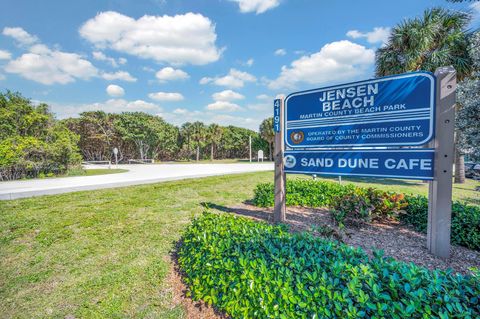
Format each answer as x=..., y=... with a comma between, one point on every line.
x=193, y=309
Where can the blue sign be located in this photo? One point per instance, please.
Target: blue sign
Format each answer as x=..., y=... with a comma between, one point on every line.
x=390, y=111
x=276, y=116
x=403, y=163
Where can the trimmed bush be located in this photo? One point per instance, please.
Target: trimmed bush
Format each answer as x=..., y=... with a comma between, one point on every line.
x=307, y=193
x=348, y=201
x=465, y=220
x=255, y=270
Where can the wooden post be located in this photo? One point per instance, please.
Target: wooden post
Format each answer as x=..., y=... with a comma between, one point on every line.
x=440, y=189
x=279, y=210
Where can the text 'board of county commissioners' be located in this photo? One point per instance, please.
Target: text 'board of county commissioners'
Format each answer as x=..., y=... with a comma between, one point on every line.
x=389, y=111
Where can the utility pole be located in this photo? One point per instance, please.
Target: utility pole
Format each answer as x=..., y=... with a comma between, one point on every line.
x=250, y=147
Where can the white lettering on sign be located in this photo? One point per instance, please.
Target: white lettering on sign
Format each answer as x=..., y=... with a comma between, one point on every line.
x=347, y=98
x=317, y=162
x=390, y=163
x=423, y=164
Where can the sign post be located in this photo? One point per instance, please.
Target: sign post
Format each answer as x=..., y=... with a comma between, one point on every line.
x=440, y=189
x=279, y=210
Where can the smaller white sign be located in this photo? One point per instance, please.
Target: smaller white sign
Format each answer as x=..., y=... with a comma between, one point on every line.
x=260, y=155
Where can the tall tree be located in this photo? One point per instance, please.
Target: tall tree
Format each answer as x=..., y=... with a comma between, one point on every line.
x=268, y=134
x=31, y=141
x=438, y=38
x=468, y=96
x=186, y=135
x=214, y=134
x=198, y=136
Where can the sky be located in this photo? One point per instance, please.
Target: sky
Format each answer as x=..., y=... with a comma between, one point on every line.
x=221, y=61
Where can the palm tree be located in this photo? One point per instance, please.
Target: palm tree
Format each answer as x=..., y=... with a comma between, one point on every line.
x=186, y=134
x=214, y=134
x=198, y=136
x=268, y=134
x=438, y=38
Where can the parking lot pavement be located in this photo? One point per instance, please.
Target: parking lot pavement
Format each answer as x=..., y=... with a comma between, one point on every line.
x=136, y=175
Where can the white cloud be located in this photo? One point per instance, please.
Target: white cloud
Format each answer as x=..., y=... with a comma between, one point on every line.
x=336, y=61
x=5, y=55
x=148, y=69
x=171, y=74
x=264, y=97
x=180, y=115
x=280, y=52
x=165, y=96
x=100, y=56
x=115, y=90
x=180, y=111
x=51, y=66
x=119, y=75
x=377, y=35
x=223, y=106
x=20, y=35
x=257, y=6
x=263, y=107
x=205, y=80
x=234, y=79
x=227, y=95
x=188, y=38
x=110, y=106
x=475, y=7
x=250, y=62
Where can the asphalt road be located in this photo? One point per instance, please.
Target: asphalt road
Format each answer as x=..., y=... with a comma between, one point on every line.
x=136, y=175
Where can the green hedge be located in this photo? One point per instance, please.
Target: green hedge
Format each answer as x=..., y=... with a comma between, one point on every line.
x=307, y=193
x=310, y=193
x=255, y=270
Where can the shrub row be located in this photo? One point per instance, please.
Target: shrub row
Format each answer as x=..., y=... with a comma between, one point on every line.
x=255, y=270
x=348, y=199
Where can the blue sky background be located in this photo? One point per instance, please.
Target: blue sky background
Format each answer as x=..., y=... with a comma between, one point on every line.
x=229, y=58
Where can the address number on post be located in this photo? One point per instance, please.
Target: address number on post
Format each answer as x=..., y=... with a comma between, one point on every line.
x=276, y=115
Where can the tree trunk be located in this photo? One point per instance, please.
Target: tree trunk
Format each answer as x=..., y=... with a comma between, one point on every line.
x=211, y=152
x=141, y=149
x=198, y=153
x=270, y=151
x=459, y=168
x=459, y=161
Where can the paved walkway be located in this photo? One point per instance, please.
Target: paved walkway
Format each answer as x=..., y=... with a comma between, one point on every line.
x=137, y=174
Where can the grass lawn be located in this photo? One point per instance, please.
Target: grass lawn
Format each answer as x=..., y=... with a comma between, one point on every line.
x=104, y=253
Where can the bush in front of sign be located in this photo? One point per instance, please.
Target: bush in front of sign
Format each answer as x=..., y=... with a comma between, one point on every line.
x=365, y=205
x=306, y=193
x=251, y=269
x=465, y=220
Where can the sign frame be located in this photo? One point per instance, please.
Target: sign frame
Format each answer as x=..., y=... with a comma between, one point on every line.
x=431, y=113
